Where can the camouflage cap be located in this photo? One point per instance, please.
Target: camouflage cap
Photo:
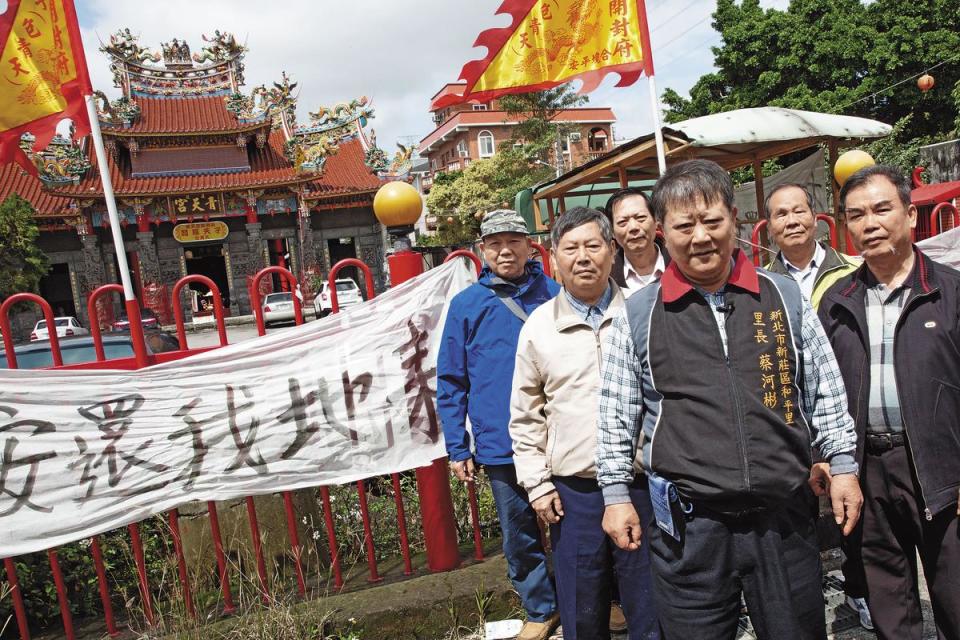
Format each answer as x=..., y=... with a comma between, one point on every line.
x=502, y=221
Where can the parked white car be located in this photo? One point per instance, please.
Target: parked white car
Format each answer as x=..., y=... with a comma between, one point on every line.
x=65, y=326
x=348, y=295
x=278, y=307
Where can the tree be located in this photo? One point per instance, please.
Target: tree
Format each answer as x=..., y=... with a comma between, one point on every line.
x=482, y=186
x=537, y=131
x=835, y=56
x=22, y=264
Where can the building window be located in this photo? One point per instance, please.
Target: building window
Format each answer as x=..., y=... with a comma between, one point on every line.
x=565, y=144
x=462, y=149
x=453, y=166
x=479, y=107
x=597, y=140
x=485, y=143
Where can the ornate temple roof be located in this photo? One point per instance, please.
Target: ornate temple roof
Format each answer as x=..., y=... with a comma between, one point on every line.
x=201, y=115
x=344, y=172
x=13, y=179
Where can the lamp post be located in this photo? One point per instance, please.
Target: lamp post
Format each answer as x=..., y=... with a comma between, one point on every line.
x=397, y=206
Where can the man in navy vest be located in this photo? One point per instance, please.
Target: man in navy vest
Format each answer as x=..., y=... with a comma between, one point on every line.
x=474, y=372
x=722, y=374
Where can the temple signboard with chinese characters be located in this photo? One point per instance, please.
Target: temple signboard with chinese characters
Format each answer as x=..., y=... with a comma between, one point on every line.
x=200, y=231
x=195, y=205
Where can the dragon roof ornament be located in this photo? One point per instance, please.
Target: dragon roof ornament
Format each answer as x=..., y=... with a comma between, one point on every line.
x=309, y=146
x=217, y=68
x=278, y=102
x=61, y=163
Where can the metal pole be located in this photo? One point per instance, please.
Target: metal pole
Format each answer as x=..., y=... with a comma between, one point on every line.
x=657, y=126
x=130, y=300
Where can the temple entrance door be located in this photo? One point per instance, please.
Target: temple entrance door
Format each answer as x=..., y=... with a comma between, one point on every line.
x=207, y=260
x=55, y=288
x=341, y=248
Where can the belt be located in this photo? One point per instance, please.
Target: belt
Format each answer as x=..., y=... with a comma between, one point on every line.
x=880, y=442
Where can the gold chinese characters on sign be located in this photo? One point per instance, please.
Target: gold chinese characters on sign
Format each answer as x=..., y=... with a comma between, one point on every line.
x=776, y=381
x=188, y=205
x=200, y=231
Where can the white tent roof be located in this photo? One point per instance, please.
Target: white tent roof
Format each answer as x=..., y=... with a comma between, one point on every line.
x=772, y=124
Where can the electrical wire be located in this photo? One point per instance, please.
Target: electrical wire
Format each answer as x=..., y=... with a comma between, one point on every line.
x=897, y=84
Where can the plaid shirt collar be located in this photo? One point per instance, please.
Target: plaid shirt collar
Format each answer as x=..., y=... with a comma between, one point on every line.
x=675, y=285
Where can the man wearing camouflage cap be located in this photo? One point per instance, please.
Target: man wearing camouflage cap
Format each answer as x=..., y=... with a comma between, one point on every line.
x=474, y=374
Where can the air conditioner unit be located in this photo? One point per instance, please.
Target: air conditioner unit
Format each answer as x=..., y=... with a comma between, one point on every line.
x=463, y=153
x=575, y=136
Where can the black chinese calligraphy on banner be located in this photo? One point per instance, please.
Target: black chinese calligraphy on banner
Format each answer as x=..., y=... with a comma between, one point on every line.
x=329, y=402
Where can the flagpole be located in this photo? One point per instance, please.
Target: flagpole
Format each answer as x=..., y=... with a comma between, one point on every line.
x=652, y=84
x=130, y=299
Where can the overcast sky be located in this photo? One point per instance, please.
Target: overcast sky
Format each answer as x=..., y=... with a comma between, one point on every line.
x=397, y=52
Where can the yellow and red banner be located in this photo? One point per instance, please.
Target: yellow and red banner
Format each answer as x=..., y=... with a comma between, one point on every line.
x=551, y=42
x=43, y=74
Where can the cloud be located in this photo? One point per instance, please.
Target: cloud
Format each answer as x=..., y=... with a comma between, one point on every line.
x=397, y=52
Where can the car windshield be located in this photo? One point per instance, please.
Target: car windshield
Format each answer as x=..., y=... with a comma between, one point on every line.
x=280, y=297
x=62, y=322
x=42, y=324
x=346, y=286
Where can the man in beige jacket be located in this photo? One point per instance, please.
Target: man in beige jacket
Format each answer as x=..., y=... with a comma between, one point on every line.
x=553, y=425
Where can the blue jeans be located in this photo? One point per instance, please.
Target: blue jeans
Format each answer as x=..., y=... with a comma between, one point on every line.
x=588, y=564
x=526, y=560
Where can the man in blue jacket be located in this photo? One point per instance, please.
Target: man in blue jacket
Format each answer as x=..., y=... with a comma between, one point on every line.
x=474, y=374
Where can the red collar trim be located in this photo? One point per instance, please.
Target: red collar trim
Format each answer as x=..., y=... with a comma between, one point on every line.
x=675, y=285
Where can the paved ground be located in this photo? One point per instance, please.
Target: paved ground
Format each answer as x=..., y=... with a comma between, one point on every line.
x=208, y=337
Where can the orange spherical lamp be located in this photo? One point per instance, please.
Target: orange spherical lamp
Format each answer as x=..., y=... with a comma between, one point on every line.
x=397, y=204
x=925, y=82
x=849, y=163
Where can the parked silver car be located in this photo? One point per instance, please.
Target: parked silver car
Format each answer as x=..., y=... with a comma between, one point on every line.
x=278, y=307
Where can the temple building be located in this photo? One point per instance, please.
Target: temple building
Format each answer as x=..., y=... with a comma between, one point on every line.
x=208, y=180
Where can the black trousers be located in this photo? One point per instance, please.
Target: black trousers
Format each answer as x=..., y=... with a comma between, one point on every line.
x=894, y=533
x=771, y=558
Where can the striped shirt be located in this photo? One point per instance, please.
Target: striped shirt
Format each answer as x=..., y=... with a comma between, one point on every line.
x=883, y=308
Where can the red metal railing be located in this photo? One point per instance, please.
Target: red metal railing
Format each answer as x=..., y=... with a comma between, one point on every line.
x=291, y=280
x=821, y=217
x=172, y=516
x=936, y=218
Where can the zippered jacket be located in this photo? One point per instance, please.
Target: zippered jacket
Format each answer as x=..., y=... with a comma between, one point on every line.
x=927, y=363
x=476, y=359
x=553, y=410
x=835, y=266
x=724, y=402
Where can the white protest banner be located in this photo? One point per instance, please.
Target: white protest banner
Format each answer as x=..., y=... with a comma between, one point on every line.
x=329, y=402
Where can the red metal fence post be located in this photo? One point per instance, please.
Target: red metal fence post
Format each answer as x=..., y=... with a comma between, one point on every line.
x=433, y=482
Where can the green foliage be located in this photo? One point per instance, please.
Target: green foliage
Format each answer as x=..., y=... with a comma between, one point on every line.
x=832, y=56
x=22, y=264
x=484, y=185
x=536, y=131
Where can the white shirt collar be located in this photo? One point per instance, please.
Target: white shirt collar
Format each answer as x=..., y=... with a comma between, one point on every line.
x=819, y=254
x=634, y=281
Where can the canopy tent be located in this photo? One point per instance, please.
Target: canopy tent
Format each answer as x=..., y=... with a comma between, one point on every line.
x=733, y=139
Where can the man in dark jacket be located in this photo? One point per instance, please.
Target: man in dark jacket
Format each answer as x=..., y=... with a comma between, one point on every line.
x=816, y=267
x=641, y=257
x=721, y=375
x=895, y=328
x=474, y=373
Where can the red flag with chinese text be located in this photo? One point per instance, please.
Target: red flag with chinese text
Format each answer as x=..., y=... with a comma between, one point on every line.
x=44, y=75
x=552, y=42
